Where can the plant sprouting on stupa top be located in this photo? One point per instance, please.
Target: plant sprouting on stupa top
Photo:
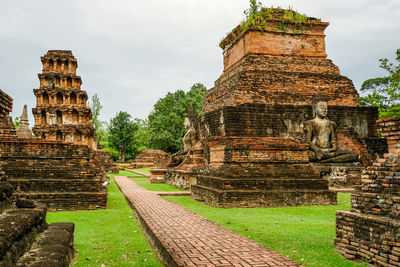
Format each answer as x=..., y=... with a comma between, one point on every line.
x=258, y=16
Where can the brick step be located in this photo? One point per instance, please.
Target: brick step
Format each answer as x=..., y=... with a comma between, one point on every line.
x=19, y=227
x=68, y=200
x=54, y=247
x=262, y=198
x=262, y=183
x=56, y=185
x=54, y=173
x=260, y=171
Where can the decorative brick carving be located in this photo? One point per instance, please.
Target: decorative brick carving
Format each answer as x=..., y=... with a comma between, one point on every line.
x=61, y=111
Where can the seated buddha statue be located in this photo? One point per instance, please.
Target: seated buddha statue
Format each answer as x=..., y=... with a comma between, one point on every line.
x=321, y=135
x=189, y=140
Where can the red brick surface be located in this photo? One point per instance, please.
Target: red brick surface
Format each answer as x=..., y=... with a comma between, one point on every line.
x=191, y=240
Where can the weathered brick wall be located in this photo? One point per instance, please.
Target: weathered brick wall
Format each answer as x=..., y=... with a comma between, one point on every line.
x=370, y=230
x=282, y=120
x=390, y=129
x=308, y=41
x=106, y=161
x=150, y=158
x=356, y=126
x=23, y=224
x=273, y=87
x=49, y=171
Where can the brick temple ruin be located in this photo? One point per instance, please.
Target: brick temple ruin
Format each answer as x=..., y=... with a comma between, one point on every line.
x=252, y=131
x=61, y=111
x=370, y=230
x=62, y=166
x=26, y=238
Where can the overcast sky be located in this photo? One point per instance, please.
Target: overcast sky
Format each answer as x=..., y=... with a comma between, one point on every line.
x=132, y=52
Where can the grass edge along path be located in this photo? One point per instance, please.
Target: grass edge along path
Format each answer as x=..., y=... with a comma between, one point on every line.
x=144, y=182
x=111, y=236
x=304, y=234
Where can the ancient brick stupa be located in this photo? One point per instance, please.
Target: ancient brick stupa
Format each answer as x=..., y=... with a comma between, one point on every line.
x=61, y=112
x=252, y=127
x=24, y=131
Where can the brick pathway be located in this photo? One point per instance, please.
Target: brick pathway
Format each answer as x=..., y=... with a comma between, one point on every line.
x=187, y=239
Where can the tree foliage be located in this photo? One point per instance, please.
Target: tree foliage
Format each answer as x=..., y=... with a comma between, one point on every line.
x=165, y=122
x=17, y=122
x=122, y=134
x=384, y=92
x=99, y=126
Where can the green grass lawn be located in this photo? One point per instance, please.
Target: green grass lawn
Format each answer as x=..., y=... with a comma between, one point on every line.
x=304, y=234
x=124, y=173
x=146, y=170
x=112, y=236
x=144, y=182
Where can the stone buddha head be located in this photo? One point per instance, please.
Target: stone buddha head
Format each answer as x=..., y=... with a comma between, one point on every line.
x=320, y=106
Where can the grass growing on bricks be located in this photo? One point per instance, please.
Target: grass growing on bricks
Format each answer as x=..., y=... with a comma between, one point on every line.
x=304, y=234
x=112, y=237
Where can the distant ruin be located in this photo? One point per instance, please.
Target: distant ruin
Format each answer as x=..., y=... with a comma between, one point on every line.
x=61, y=112
x=24, y=131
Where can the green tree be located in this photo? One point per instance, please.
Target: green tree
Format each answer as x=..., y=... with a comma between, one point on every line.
x=17, y=122
x=122, y=134
x=384, y=92
x=165, y=122
x=99, y=126
x=141, y=135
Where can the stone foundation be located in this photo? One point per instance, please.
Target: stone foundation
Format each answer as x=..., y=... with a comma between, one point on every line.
x=180, y=179
x=340, y=175
x=157, y=176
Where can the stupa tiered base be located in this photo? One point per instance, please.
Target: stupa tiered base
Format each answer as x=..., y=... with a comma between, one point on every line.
x=260, y=172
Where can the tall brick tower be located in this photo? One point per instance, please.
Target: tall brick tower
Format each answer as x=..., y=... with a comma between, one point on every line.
x=61, y=113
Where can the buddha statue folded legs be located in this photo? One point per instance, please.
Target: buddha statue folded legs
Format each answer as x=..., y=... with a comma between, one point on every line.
x=321, y=135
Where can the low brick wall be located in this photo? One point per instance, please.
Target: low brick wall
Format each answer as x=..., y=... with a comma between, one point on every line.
x=370, y=231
